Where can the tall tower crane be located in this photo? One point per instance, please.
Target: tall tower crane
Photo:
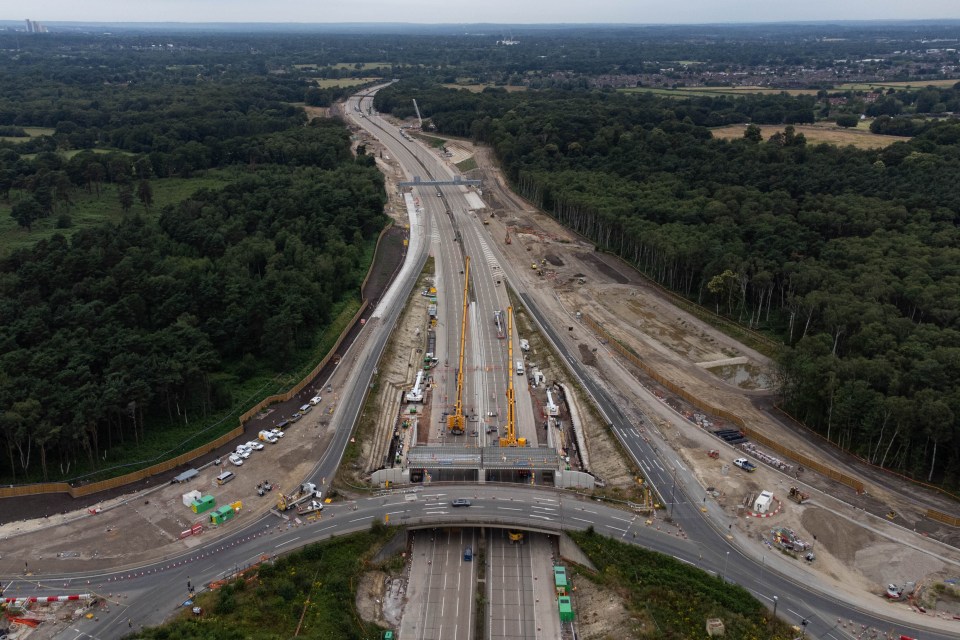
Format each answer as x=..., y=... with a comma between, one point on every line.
x=511, y=440
x=456, y=421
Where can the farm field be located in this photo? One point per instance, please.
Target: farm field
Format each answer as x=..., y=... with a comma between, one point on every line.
x=477, y=88
x=32, y=132
x=682, y=92
x=860, y=137
x=326, y=83
x=913, y=84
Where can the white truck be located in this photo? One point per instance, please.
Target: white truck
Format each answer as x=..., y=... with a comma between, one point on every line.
x=519, y=367
x=745, y=464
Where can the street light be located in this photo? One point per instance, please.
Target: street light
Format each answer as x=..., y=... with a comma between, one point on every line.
x=803, y=624
x=776, y=601
x=725, y=563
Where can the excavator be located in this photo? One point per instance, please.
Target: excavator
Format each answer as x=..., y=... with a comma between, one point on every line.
x=510, y=439
x=456, y=422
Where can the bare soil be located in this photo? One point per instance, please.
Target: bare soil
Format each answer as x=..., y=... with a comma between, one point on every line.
x=603, y=614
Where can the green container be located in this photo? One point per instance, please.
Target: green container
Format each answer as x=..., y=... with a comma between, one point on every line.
x=203, y=504
x=222, y=514
x=566, y=611
x=560, y=580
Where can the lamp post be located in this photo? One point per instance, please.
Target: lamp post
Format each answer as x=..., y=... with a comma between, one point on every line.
x=803, y=625
x=725, y=563
x=776, y=601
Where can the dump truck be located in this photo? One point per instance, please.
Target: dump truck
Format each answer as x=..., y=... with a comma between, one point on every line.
x=304, y=492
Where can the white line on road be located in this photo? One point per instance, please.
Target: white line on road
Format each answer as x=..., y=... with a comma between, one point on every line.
x=582, y=520
x=684, y=561
x=509, y=509
x=541, y=517
x=621, y=519
x=359, y=519
x=609, y=526
x=287, y=542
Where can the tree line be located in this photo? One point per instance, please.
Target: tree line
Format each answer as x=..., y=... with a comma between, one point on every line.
x=851, y=257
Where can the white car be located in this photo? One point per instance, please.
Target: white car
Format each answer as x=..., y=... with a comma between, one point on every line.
x=306, y=408
x=236, y=460
x=267, y=436
x=254, y=444
x=315, y=400
x=276, y=433
x=242, y=451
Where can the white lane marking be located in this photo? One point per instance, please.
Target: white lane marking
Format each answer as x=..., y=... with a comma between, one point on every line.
x=684, y=561
x=541, y=517
x=359, y=519
x=582, y=520
x=543, y=508
x=657, y=462
x=614, y=528
x=509, y=509
x=287, y=542
x=622, y=519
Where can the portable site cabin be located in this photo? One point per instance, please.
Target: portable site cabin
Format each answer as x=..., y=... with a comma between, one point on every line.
x=222, y=514
x=189, y=497
x=763, y=502
x=566, y=610
x=560, y=580
x=203, y=504
x=189, y=474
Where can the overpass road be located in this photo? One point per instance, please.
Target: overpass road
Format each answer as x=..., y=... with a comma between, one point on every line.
x=148, y=594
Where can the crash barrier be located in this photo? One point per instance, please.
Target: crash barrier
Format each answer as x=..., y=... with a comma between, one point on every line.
x=750, y=433
x=953, y=521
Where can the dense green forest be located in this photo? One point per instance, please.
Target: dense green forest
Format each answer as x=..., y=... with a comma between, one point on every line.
x=851, y=257
x=113, y=333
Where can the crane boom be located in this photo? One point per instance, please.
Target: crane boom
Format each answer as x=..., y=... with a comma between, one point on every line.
x=456, y=421
x=510, y=439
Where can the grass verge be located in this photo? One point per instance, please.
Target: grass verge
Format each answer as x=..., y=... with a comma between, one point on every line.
x=467, y=165
x=311, y=593
x=679, y=597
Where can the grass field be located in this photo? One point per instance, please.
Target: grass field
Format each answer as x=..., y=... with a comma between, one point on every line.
x=477, y=88
x=326, y=83
x=860, y=137
x=32, y=132
x=364, y=66
x=436, y=143
x=912, y=84
x=88, y=210
x=467, y=165
x=683, y=92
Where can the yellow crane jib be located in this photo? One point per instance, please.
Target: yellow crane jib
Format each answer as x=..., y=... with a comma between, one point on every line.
x=510, y=439
x=456, y=422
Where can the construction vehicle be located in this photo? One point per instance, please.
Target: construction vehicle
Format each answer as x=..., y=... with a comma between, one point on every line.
x=416, y=394
x=510, y=439
x=498, y=321
x=309, y=507
x=798, y=496
x=306, y=491
x=745, y=464
x=516, y=537
x=456, y=422
x=533, y=265
x=713, y=453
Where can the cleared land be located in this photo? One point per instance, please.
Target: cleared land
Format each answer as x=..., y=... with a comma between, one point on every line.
x=862, y=138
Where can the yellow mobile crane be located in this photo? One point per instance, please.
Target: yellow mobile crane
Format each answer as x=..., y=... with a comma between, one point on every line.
x=456, y=422
x=511, y=440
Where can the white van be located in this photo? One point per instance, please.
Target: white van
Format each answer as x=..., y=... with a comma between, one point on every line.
x=519, y=367
x=225, y=477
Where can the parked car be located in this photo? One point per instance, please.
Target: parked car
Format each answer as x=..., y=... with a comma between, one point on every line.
x=315, y=400
x=295, y=417
x=282, y=424
x=242, y=451
x=306, y=408
x=460, y=502
x=276, y=433
x=236, y=460
x=267, y=436
x=255, y=444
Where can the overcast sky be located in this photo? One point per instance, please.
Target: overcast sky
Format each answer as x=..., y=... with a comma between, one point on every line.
x=496, y=11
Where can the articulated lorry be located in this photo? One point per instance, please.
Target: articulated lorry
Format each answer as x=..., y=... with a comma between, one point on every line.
x=306, y=491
